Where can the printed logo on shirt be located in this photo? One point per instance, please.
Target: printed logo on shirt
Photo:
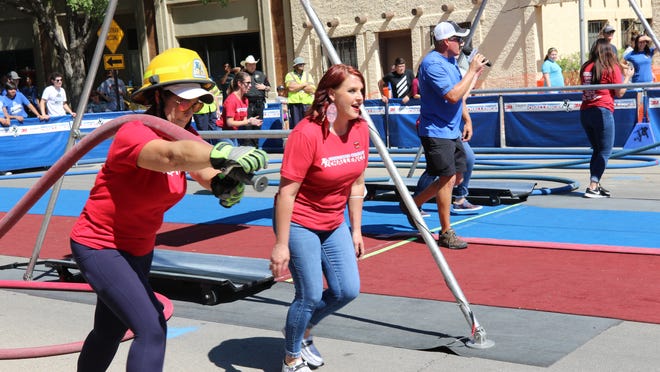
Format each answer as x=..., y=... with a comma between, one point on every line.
x=334, y=161
x=173, y=173
x=356, y=144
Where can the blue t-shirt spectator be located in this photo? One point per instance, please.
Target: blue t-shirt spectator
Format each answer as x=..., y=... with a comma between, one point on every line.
x=553, y=69
x=16, y=106
x=439, y=118
x=643, y=65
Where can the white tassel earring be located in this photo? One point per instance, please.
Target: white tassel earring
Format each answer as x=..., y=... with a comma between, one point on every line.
x=331, y=113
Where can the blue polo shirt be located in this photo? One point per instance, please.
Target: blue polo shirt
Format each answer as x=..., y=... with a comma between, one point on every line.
x=438, y=117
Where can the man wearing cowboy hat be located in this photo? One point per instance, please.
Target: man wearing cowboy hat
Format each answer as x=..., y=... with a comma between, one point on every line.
x=300, y=87
x=256, y=97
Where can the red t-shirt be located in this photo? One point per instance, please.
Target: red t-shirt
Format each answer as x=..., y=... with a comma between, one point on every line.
x=600, y=97
x=126, y=205
x=233, y=107
x=326, y=170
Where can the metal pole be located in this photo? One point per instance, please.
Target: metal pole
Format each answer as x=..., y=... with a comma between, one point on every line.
x=479, y=339
x=582, y=31
x=413, y=166
x=647, y=27
x=475, y=23
x=73, y=135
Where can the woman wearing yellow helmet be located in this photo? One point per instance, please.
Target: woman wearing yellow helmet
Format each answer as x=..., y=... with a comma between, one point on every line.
x=143, y=176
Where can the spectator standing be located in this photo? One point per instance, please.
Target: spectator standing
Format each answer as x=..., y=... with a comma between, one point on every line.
x=226, y=79
x=29, y=90
x=415, y=88
x=13, y=78
x=53, y=99
x=608, y=34
x=113, y=90
x=552, y=73
x=399, y=81
x=300, y=86
x=143, y=176
x=641, y=59
x=235, y=108
x=256, y=97
x=460, y=192
x=597, y=110
x=322, y=173
x=630, y=46
x=95, y=104
x=443, y=91
x=282, y=98
x=16, y=102
x=207, y=116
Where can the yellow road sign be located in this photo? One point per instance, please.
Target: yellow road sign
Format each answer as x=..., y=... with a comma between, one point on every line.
x=113, y=61
x=115, y=35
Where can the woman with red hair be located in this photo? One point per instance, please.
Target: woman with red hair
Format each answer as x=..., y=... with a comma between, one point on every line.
x=322, y=172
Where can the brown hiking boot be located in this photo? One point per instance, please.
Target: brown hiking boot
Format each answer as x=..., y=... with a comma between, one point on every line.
x=451, y=241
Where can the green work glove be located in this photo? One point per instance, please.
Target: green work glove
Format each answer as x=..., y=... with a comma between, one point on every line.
x=229, y=191
x=251, y=159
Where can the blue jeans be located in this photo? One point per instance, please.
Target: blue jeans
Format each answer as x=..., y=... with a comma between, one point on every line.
x=124, y=300
x=598, y=124
x=313, y=255
x=460, y=190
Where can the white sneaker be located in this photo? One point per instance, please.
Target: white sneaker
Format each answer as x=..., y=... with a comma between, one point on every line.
x=310, y=353
x=301, y=366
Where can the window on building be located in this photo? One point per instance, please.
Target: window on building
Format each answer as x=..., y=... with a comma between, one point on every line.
x=593, y=31
x=346, y=50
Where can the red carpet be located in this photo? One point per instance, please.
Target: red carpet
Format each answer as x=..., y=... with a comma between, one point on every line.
x=615, y=285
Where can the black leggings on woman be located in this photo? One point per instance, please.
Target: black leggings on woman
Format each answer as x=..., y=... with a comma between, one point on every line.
x=125, y=301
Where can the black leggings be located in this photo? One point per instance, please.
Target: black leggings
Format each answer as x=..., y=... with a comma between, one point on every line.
x=125, y=301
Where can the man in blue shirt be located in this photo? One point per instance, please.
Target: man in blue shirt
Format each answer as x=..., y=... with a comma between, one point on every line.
x=443, y=91
x=16, y=102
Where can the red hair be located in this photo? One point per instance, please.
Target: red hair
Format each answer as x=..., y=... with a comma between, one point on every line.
x=332, y=79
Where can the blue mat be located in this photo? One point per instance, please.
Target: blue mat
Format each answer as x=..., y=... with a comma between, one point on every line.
x=512, y=222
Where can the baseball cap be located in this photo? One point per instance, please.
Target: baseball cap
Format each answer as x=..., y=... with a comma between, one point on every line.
x=447, y=29
x=13, y=75
x=298, y=61
x=190, y=91
x=608, y=29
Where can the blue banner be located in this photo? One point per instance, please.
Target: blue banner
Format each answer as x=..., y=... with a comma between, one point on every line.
x=553, y=120
x=529, y=120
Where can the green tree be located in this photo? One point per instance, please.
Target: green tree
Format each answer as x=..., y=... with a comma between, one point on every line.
x=570, y=67
x=70, y=26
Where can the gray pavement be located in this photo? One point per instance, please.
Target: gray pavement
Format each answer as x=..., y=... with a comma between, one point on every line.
x=375, y=333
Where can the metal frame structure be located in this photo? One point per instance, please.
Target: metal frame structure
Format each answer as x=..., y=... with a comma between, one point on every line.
x=479, y=339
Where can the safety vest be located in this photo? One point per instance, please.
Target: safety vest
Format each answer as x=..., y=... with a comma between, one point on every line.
x=300, y=96
x=210, y=107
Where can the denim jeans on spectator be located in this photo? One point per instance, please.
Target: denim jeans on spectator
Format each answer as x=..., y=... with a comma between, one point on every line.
x=313, y=254
x=598, y=124
x=460, y=190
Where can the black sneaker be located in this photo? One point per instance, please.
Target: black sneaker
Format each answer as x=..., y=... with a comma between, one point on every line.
x=451, y=241
x=606, y=193
x=595, y=194
x=410, y=218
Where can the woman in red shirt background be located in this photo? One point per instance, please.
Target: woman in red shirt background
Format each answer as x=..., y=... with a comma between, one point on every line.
x=597, y=110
